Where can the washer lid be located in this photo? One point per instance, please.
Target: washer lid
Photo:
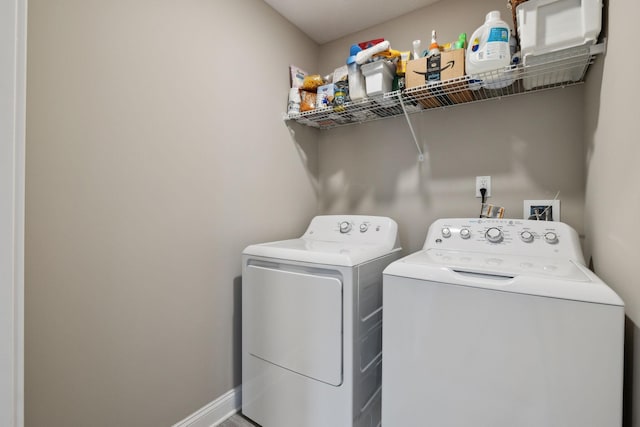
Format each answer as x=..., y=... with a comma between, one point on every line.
x=540, y=276
x=319, y=252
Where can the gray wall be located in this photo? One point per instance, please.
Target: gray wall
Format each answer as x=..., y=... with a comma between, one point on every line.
x=532, y=146
x=612, y=196
x=156, y=152
x=153, y=159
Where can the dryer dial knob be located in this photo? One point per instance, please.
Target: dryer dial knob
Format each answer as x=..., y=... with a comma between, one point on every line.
x=465, y=233
x=446, y=233
x=551, y=237
x=345, y=227
x=364, y=227
x=494, y=235
x=526, y=236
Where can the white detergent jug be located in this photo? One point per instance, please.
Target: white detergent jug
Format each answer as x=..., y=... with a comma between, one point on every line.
x=488, y=54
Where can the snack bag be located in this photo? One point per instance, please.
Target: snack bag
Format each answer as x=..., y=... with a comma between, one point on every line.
x=307, y=100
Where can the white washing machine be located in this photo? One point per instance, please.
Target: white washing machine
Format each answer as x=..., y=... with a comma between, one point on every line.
x=498, y=323
x=312, y=324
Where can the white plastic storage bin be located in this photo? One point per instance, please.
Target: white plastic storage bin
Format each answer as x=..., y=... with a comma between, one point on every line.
x=555, y=36
x=546, y=26
x=379, y=77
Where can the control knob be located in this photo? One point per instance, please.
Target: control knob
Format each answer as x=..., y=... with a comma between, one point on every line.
x=364, y=227
x=526, y=236
x=345, y=227
x=494, y=235
x=465, y=233
x=551, y=237
x=446, y=233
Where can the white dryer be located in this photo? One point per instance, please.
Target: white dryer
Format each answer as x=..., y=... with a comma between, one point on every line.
x=498, y=323
x=312, y=324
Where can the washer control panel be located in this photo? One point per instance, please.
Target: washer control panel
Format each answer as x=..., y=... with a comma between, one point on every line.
x=505, y=236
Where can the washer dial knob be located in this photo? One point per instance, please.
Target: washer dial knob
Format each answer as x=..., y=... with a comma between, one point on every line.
x=465, y=233
x=345, y=227
x=526, y=236
x=446, y=233
x=364, y=227
x=494, y=235
x=551, y=237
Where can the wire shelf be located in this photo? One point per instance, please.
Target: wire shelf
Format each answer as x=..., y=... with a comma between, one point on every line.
x=539, y=72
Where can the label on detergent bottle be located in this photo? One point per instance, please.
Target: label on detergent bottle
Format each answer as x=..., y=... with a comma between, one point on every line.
x=498, y=34
x=497, y=44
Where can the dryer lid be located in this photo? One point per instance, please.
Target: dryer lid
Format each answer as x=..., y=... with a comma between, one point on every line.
x=318, y=252
x=342, y=240
x=552, y=277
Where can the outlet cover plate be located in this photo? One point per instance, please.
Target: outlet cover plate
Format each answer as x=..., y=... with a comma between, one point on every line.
x=537, y=208
x=483, y=182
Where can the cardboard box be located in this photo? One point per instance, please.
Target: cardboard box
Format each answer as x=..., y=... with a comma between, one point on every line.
x=416, y=76
x=434, y=73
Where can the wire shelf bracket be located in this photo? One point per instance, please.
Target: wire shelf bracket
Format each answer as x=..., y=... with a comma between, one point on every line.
x=413, y=133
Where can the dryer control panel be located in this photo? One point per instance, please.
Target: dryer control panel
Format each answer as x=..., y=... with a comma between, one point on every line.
x=505, y=236
x=357, y=229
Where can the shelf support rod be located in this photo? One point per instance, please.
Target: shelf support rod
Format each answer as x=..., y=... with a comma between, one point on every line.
x=413, y=133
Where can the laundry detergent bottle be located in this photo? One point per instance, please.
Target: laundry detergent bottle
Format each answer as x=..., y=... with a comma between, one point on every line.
x=488, y=53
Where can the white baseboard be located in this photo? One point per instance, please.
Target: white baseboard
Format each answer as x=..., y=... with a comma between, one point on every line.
x=215, y=412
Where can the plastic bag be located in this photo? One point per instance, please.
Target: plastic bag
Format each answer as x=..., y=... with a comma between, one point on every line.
x=312, y=82
x=297, y=76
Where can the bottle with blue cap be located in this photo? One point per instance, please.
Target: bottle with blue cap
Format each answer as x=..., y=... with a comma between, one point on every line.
x=357, y=88
x=488, y=53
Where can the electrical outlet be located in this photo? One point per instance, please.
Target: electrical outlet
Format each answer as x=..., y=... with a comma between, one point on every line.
x=541, y=210
x=483, y=182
